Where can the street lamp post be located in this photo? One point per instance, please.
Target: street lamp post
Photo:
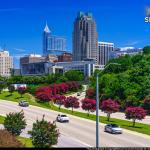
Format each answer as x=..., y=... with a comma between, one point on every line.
x=97, y=112
x=97, y=105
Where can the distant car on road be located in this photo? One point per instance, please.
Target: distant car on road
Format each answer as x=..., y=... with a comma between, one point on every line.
x=78, y=94
x=113, y=128
x=23, y=103
x=62, y=118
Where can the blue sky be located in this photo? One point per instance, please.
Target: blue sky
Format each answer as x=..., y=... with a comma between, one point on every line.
x=118, y=21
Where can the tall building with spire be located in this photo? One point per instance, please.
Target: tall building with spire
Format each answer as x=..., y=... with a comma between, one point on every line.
x=85, y=38
x=52, y=44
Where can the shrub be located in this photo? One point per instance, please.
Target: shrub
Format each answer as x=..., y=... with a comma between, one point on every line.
x=15, y=122
x=44, y=134
x=9, y=140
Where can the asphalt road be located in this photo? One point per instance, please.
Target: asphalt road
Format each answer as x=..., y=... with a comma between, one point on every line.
x=78, y=132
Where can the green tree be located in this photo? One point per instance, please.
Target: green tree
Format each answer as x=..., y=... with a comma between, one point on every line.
x=74, y=75
x=44, y=134
x=146, y=50
x=2, y=86
x=11, y=89
x=15, y=122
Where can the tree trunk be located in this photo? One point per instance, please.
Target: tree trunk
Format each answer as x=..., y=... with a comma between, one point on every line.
x=133, y=122
x=88, y=113
x=59, y=107
x=108, y=116
x=72, y=109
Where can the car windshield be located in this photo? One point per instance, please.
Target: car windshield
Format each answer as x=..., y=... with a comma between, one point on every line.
x=22, y=101
x=114, y=125
x=63, y=116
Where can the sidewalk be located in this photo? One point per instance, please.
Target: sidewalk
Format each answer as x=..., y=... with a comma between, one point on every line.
x=117, y=115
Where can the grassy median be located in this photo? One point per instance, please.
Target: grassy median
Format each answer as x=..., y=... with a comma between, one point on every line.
x=27, y=142
x=2, y=119
x=139, y=127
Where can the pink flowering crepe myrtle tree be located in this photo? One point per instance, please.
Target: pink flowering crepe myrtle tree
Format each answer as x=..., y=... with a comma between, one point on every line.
x=59, y=100
x=109, y=106
x=71, y=102
x=135, y=113
x=22, y=90
x=88, y=105
x=44, y=94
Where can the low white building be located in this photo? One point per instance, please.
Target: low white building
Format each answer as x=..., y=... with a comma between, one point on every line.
x=16, y=86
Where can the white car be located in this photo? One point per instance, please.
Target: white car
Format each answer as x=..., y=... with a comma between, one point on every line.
x=113, y=128
x=62, y=118
x=78, y=94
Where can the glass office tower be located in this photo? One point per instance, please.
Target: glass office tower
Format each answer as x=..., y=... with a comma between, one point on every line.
x=52, y=44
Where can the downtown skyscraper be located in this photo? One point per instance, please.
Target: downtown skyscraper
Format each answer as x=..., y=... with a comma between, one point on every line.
x=52, y=44
x=85, y=38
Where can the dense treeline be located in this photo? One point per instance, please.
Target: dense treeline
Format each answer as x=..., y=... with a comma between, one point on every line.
x=47, y=79
x=127, y=83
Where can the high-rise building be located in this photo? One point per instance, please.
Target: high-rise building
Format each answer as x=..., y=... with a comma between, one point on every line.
x=85, y=37
x=6, y=64
x=52, y=44
x=104, y=52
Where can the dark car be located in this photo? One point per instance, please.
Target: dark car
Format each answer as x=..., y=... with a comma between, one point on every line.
x=23, y=103
x=113, y=128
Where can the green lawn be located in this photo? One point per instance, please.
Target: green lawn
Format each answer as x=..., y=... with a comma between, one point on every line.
x=139, y=127
x=27, y=142
x=2, y=119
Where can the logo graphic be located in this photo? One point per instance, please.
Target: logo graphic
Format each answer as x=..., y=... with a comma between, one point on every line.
x=147, y=11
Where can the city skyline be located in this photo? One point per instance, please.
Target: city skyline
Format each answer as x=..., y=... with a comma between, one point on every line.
x=22, y=25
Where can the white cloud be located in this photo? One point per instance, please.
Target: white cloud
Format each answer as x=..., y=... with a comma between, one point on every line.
x=132, y=43
x=19, y=49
